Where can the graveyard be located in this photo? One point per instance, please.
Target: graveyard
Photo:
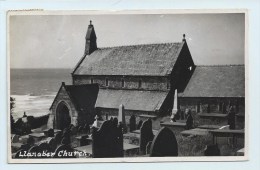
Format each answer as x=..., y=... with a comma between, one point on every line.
x=113, y=137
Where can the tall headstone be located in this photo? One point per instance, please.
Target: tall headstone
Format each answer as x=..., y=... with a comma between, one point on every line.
x=146, y=135
x=121, y=114
x=164, y=144
x=175, y=106
x=132, y=123
x=108, y=140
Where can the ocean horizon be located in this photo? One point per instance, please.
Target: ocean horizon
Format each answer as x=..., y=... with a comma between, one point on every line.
x=35, y=89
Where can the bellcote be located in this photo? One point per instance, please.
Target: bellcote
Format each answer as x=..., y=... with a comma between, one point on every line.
x=91, y=40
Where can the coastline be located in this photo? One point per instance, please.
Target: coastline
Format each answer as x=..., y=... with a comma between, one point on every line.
x=33, y=105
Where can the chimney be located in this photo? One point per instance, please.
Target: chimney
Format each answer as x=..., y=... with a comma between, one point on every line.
x=91, y=43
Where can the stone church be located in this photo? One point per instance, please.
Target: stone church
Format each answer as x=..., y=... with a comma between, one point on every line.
x=143, y=78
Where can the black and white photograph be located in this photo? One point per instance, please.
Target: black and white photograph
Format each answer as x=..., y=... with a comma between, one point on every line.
x=136, y=86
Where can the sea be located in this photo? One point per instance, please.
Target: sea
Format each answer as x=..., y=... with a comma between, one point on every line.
x=35, y=89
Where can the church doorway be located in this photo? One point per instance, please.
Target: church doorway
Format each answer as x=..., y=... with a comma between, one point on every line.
x=63, y=116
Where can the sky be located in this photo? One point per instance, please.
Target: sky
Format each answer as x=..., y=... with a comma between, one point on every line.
x=58, y=41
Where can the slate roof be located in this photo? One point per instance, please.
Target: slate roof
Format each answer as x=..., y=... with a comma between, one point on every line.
x=216, y=81
x=82, y=96
x=131, y=99
x=145, y=60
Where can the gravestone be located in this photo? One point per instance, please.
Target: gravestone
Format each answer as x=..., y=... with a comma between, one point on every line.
x=30, y=141
x=232, y=118
x=212, y=150
x=66, y=133
x=139, y=124
x=65, y=140
x=52, y=143
x=26, y=147
x=164, y=144
x=80, y=129
x=50, y=133
x=121, y=114
x=34, y=149
x=44, y=147
x=108, y=140
x=73, y=130
x=132, y=123
x=146, y=135
x=86, y=128
x=83, y=141
x=58, y=137
x=15, y=138
x=189, y=121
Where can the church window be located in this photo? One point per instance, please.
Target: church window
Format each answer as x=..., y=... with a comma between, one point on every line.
x=91, y=81
x=122, y=82
x=140, y=84
x=106, y=81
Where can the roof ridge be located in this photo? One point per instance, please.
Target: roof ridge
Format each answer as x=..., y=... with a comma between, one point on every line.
x=222, y=65
x=133, y=45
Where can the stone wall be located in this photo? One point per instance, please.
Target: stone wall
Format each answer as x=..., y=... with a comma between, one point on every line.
x=215, y=104
x=130, y=82
x=114, y=113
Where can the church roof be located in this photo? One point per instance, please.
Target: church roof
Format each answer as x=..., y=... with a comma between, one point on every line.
x=144, y=60
x=131, y=99
x=82, y=96
x=216, y=81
